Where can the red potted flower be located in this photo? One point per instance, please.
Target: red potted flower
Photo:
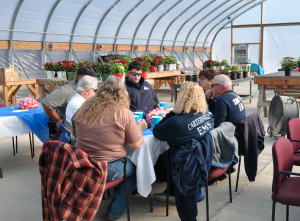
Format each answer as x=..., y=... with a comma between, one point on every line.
x=118, y=70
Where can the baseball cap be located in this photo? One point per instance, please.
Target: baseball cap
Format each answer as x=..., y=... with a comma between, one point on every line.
x=87, y=71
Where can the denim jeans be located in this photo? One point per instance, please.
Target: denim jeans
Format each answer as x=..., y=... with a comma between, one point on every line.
x=116, y=171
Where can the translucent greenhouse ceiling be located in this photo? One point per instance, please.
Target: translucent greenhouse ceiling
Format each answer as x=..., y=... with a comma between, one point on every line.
x=188, y=26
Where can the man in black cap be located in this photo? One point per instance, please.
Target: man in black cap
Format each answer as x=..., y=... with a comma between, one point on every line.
x=55, y=104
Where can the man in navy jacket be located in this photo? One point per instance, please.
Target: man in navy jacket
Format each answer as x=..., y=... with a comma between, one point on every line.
x=141, y=93
x=225, y=105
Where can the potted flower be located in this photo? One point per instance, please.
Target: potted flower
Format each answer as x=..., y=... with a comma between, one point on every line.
x=49, y=67
x=146, y=69
x=84, y=63
x=234, y=71
x=224, y=63
x=288, y=64
x=96, y=66
x=177, y=66
x=245, y=73
x=208, y=64
x=60, y=69
x=160, y=63
x=105, y=71
x=188, y=77
x=196, y=76
x=71, y=70
x=118, y=70
x=216, y=65
x=298, y=62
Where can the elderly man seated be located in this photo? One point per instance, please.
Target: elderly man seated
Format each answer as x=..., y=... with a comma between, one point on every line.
x=55, y=104
x=141, y=93
x=225, y=105
x=86, y=88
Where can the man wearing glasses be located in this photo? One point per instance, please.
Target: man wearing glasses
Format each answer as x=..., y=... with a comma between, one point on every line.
x=223, y=102
x=141, y=93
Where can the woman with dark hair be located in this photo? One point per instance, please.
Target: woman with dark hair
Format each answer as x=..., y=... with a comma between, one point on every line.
x=205, y=78
x=103, y=126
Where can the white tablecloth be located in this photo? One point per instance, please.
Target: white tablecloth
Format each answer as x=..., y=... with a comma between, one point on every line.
x=144, y=158
x=13, y=126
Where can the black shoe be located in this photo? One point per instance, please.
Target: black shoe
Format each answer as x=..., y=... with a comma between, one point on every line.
x=220, y=178
x=232, y=170
x=108, y=217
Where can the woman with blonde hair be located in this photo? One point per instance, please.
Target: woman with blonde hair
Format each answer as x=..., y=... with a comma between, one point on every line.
x=189, y=120
x=103, y=126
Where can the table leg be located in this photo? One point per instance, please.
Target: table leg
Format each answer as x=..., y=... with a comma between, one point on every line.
x=42, y=91
x=5, y=95
x=260, y=96
x=14, y=94
x=265, y=101
x=250, y=90
x=35, y=86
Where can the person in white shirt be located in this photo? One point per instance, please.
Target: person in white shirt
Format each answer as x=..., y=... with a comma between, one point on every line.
x=85, y=88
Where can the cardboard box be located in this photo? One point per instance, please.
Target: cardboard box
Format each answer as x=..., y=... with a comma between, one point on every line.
x=9, y=74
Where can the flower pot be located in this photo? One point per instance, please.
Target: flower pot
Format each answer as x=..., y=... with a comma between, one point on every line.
x=245, y=74
x=160, y=68
x=50, y=74
x=144, y=75
x=195, y=78
x=233, y=76
x=61, y=75
x=166, y=67
x=105, y=76
x=71, y=76
x=153, y=69
x=119, y=75
x=222, y=67
x=188, y=77
x=172, y=67
x=287, y=72
x=238, y=75
x=229, y=75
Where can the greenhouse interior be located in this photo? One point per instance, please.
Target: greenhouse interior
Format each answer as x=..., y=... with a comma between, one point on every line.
x=192, y=104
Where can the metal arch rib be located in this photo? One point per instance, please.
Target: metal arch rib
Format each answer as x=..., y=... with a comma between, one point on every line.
x=46, y=29
x=173, y=6
x=188, y=21
x=220, y=23
x=99, y=25
x=136, y=30
x=118, y=30
x=213, y=20
x=234, y=19
x=74, y=27
x=12, y=32
x=162, y=42
x=217, y=25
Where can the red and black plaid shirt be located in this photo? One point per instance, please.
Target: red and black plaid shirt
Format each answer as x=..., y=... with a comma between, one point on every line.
x=72, y=183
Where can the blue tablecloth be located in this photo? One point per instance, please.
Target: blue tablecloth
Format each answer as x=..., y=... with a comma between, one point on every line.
x=36, y=119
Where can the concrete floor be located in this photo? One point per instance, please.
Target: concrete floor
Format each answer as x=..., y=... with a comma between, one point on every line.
x=20, y=189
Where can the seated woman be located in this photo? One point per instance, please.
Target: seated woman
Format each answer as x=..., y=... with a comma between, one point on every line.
x=103, y=126
x=189, y=120
x=205, y=78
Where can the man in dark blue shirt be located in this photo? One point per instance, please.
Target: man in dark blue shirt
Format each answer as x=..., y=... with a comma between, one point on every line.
x=225, y=105
x=141, y=93
x=223, y=102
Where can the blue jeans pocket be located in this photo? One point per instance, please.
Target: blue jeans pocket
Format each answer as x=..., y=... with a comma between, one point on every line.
x=115, y=170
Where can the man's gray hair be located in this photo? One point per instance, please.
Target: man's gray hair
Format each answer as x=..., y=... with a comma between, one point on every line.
x=223, y=80
x=86, y=82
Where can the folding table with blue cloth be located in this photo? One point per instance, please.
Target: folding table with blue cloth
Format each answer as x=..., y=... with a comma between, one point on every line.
x=35, y=119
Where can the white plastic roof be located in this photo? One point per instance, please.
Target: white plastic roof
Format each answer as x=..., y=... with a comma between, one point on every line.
x=121, y=21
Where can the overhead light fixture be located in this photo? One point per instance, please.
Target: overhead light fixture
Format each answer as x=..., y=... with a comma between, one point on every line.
x=136, y=47
x=51, y=46
x=187, y=48
x=100, y=46
x=165, y=47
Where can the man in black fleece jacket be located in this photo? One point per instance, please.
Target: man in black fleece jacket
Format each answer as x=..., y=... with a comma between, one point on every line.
x=141, y=93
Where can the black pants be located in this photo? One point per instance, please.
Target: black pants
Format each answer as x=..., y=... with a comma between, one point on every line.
x=161, y=171
x=186, y=206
